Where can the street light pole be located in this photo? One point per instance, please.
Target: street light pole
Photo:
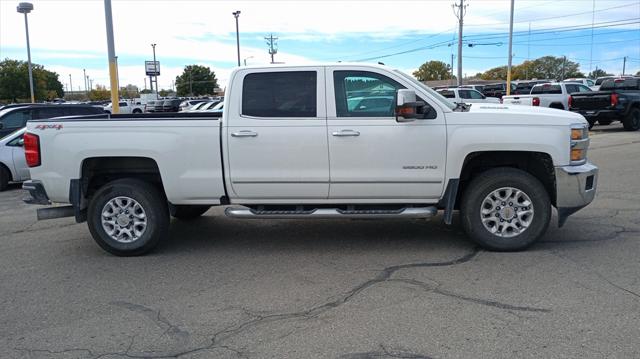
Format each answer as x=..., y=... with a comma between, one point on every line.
x=236, y=14
x=115, y=108
x=247, y=58
x=510, y=49
x=155, y=70
x=25, y=8
x=84, y=75
x=70, y=83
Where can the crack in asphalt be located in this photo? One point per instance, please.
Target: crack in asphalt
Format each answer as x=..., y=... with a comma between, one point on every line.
x=257, y=319
x=385, y=353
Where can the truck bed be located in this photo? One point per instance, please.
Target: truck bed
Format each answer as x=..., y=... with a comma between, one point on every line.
x=189, y=158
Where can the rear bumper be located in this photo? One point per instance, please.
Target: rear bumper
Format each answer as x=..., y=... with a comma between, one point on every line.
x=594, y=115
x=575, y=189
x=37, y=194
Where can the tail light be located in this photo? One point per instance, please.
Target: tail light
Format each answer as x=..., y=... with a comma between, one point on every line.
x=32, y=149
x=535, y=101
x=614, y=99
x=570, y=101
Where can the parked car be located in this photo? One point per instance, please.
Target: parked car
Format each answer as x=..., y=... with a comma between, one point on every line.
x=583, y=81
x=466, y=95
x=154, y=106
x=15, y=118
x=13, y=166
x=171, y=105
x=125, y=107
x=497, y=90
x=187, y=104
x=524, y=87
x=617, y=100
x=216, y=109
x=475, y=87
x=553, y=95
x=291, y=152
x=197, y=106
x=207, y=106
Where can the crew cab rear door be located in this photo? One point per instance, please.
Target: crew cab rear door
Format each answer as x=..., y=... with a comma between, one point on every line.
x=276, y=134
x=372, y=156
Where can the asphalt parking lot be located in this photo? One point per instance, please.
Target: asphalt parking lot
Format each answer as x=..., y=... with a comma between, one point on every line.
x=331, y=289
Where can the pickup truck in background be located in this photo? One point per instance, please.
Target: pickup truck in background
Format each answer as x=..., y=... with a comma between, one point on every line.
x=497, y=90
x=466, y=95
x=617, y=100
x=125, y=107
x=302, y=142
x=553, y=95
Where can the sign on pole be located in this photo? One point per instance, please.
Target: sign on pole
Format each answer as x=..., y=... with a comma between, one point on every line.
x=152, y=68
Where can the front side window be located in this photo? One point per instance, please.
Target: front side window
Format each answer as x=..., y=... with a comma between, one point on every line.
x=475, y=95
x=280, y=94
x=464, y=94
x=571, y=88
x=16, y=119
x=583, y=88
x=364, y=94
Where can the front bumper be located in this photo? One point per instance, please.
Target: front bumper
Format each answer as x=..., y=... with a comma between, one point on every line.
x=575, y=189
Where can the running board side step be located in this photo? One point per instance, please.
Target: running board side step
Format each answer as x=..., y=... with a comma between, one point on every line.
x=328, y=213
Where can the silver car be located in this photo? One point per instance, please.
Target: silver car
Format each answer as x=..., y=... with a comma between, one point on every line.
x=13, y=165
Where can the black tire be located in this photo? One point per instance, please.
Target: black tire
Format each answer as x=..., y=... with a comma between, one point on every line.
x=137, y=111
x=5, y=177
x=604, y=122
x=491, y=180
x=557, y=106
x=632, y=121
x=188, y=212
x=591, y=123
x=152, y=202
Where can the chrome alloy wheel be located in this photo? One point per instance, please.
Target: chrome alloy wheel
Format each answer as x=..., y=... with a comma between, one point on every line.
x=506, y=212
x=124, y=219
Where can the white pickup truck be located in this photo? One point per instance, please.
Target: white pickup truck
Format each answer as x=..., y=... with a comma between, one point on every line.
x=292, y=143
x=553, y=95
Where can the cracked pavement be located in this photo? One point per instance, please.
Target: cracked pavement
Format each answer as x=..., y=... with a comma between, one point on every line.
x=223, y=288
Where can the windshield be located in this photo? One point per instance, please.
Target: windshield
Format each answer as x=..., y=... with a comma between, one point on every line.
x=429, y=90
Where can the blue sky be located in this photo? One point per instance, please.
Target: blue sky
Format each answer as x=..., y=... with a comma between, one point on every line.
x=67, y=36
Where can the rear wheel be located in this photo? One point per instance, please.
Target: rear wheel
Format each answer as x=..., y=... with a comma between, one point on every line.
x=137, y=111
x=505, y=209
x=5, y=177
x=632, y=121
x=128, y=217
x=187, y=212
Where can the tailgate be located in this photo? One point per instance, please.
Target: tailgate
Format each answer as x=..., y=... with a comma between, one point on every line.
x=524, y=100
x=591, y=101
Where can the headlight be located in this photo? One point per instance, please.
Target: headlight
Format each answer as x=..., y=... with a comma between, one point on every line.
x=579, y=144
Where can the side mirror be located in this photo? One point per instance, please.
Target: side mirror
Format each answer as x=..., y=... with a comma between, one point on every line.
x=406, y=106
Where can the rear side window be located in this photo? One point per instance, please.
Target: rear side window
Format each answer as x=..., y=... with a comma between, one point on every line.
x=546, y=89
x=280, y=94
x=16, y=119
x=447, y=93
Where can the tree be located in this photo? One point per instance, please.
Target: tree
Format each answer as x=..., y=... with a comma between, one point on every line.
x=496, y=73
x=433, y=70
x=196, y=80
x=638, y=73
x=129, y=91
x=100, y=93
x=14, y=82
x=598, y=73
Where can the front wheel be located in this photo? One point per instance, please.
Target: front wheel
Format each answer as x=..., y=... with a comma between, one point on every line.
x=632, y=121
x=505, y=209
x=5, y=177
x=128, y=217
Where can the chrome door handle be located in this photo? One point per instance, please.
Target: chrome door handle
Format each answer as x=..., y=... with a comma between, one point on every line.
x=346, y=133
x=244, y=133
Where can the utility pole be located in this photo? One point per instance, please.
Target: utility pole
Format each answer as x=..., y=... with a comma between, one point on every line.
x=84, y=75
x=624, y=64
x=145, y=83
x=564, y=60
x=451, y=69
x=155, y=70
x=236, y=14
x=271, y=41
x=510, y=50
x=112, y=57
x=526, y=69
x=593, y=19
x=460, y=12
x=70, y=83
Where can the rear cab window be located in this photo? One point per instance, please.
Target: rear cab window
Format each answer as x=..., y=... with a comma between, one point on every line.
x=546, y=89
x=280, y=94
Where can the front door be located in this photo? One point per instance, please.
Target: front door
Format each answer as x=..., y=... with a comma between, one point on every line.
x=371, y=155
x=276, y=135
